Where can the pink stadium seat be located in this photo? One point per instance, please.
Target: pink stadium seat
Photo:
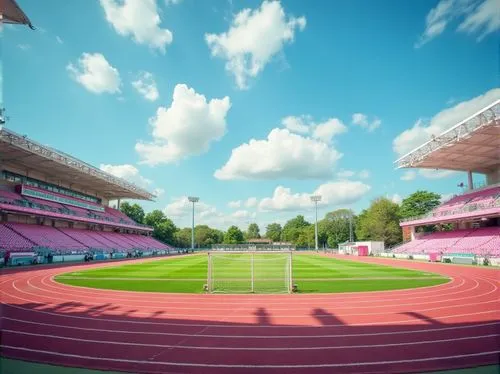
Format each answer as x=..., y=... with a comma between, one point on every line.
x=482, y=241
x=11, y=240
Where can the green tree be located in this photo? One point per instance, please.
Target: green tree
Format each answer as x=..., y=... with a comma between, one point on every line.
x=380, y=222
x=182, y=237
x=153, y=218
x=233, y=236
x=294, y=228
x=133, y=211
x=273, y=232
x=253, y=231
x=336, y=226
x=163, y=227
x=205, y=235
x=419, y=203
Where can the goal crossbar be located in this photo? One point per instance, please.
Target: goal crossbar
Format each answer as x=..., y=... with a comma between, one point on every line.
x=258, y=271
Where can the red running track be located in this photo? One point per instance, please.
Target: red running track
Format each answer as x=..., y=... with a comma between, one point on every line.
x=448, y=326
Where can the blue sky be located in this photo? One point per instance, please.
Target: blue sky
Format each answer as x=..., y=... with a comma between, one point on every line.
x=169, y=94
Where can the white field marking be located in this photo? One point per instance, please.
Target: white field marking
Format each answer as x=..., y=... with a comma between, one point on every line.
x=249, y=366
x=309, y=297
x=245, y=279
x=112, y=342
x=287, y=309
x=276, y=337
x=169, y=303
x=248, y=325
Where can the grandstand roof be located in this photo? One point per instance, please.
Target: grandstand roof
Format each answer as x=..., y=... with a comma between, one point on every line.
x=471, y=145
x=26, y=154
x=12, y=13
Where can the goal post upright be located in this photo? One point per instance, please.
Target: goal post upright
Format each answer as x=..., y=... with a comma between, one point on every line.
x=251, y=271
x=290, y=278
x=209, y=272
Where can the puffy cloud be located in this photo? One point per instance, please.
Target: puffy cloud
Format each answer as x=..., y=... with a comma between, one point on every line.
x=483, y=19
x=409, y=175
x=345, y=174
x=364, y=174
x=234, y=204
x=172, y=2
x=128, y=172
x=332, y=194
x=281, y=155
x=299, y=125
x=180, y=210
x=436, y=174
x=361, y=120
x=251, y=202
x=146, y=86
x=480, y=17
x=138, y=18
x=158, y=192
x=95, y=73
x=186, y=128
x=396, y=199
x=444, y=120
x=324, y=131
x=254, y=37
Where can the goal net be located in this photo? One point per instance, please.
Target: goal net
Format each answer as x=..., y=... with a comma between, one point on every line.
x=249, y=272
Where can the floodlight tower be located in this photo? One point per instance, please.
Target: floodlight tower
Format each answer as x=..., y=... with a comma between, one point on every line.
x=315, y=199
x=193, y=200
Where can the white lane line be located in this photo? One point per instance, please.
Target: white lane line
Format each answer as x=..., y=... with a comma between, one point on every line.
x=338, y=302
x=112, y=342
x=249, y=366
x=302, y=336
x=251, y=315
x=250, y=325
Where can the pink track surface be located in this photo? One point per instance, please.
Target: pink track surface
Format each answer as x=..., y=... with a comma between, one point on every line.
x=448, y=326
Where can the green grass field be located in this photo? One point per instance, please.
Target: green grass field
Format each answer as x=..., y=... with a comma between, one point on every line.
x=312, y=273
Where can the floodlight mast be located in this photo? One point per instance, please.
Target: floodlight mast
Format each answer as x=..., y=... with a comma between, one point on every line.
x=193, y=200
x=315, y=199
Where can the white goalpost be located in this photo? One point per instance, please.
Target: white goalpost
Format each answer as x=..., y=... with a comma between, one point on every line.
x=249, y=272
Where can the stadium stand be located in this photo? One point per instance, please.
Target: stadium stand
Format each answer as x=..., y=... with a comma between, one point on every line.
x=473, y=216
x=53, y=203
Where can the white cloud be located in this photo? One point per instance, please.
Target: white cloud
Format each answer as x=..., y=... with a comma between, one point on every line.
x=447, y=118
x=480, y=16
x=24, y=47
x=483, y=19
x=436, y=174
x=364, y=174
x=397, y=199
x=158, y=192
x=251, y=202
x=140, y=19
x=327, y=130
x=59, y=40
x=324, y=131
x=146, y=86
x=186, y=128
x=234, y=204
x=281, y=155
x=345, y=174
x=409, y=175
x=361, y=120
x=241, y=214
x=172, y=2
x=254, y=37
x=299, y=125
x=95, y=73
x=128, y=172
x=332, y=193
x=180, y=210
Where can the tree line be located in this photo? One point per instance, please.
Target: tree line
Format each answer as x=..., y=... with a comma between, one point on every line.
x=379, y=222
